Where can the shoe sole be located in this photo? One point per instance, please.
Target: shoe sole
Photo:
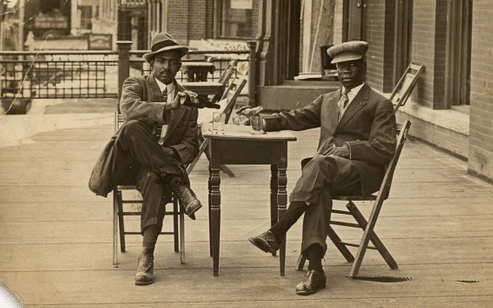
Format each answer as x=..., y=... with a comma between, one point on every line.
x=143, y=283
x=260, y=245
x=308, y=292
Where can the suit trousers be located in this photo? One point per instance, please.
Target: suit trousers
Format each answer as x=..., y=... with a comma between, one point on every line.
x=323, y=176
x=149, y=166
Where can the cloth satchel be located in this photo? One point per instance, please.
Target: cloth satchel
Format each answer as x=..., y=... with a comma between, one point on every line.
x=98, y=182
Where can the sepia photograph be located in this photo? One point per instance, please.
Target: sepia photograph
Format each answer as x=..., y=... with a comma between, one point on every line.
x=246, y=153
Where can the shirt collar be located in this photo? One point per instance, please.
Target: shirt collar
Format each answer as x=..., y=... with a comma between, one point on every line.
x=354, y=91
x=162, y=86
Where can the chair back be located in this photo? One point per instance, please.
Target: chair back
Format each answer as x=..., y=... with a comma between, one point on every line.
x=389, y=170
x=231, y=95
x=405, y=85
x=384, y=190
x=228, y=72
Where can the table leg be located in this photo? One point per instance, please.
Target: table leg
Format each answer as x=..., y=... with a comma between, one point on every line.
x=273, y=196
x=214, y=215
x=282, y=200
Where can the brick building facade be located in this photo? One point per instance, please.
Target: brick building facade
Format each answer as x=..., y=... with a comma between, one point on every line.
x=451, y=107
x=461, y=126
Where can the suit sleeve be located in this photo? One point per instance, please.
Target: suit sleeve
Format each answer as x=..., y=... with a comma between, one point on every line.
x=188, y=147
x=298, y=119
x=380, y=146
x=133, y=104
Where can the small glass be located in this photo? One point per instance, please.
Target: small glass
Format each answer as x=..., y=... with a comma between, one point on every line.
x=218, y=119
x=256, y=123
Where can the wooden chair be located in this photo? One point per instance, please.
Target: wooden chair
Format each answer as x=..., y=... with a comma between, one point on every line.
x=227, y=102
x=225, y=78
x=119, y=213
x=361, y=223
x=405, y=85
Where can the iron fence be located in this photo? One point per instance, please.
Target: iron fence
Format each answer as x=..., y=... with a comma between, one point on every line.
x=85, y=74
x=55, y=74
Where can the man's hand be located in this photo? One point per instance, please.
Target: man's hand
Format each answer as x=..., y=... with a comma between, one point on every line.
x=244, y=113
x=175, y=103
x=249, y=111
x=180, y=99
x=339, y=151
x=169, y=152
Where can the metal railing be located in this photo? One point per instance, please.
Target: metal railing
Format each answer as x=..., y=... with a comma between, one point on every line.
x=58, y=74
x=86, y=74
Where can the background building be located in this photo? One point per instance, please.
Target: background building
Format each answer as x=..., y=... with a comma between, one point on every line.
x=450, y=107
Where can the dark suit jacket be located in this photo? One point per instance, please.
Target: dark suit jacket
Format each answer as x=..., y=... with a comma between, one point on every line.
x=368, y=127
x=142, y=100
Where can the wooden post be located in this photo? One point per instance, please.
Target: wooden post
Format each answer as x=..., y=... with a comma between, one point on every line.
x=123, y=63
x=252, y=75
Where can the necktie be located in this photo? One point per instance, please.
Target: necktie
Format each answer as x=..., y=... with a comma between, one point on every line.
x=165, y=95
x=342, y=104
x=161, y=131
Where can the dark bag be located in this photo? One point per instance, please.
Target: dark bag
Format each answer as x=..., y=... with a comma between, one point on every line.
x=100, y=181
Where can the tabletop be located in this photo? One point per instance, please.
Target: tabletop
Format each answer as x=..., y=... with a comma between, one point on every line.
x=243, y=132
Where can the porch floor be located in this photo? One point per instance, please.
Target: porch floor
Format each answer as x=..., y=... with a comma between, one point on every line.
x=56, y=236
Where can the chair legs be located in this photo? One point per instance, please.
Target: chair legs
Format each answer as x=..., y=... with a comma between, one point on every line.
x=115, y=231
x=119, y=226
x=369, y=235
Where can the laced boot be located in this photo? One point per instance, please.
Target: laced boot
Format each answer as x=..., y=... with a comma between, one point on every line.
x=145, y=267
x=186, y=196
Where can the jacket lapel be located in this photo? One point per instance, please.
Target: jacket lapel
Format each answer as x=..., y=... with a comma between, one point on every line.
x=358, y=102
x=334, y=110
x=155, y=94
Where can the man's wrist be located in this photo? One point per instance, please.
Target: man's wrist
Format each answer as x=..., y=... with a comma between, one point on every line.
x=348, y=147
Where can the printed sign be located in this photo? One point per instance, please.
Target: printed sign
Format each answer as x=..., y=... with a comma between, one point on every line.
x=100, y=41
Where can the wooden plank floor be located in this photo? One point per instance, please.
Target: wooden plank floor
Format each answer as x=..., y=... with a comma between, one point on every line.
x=56, y=236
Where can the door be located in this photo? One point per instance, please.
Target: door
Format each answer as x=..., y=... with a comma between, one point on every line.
x=354, y=20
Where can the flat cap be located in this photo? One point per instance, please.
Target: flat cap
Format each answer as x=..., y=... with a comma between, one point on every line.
x=348, y=51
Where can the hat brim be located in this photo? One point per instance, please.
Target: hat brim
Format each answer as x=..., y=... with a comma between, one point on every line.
x=182, y=49
x=347, y=56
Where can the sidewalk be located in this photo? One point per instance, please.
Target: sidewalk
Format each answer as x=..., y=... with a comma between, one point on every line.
x=55, y=235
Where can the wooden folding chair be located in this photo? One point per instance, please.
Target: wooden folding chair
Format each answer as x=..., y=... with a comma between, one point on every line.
x=227, y=102
x=120, y=200
x=405, y=85
x=361, y=223
x=225, y=78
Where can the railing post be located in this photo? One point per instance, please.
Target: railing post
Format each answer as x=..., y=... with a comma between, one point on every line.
x=252, y=74
x=123, y=63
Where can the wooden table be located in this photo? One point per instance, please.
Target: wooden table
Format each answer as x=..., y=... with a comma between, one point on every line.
x=238, y=146
x=197, y=71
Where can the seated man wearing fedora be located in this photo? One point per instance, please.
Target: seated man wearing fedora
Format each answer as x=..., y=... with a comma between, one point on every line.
x=357, y=139
x=152, y=161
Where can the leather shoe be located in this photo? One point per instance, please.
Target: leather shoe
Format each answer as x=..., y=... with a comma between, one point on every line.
x=265, y=242
x=313, y=281
x=145, y=268
x=187, y=199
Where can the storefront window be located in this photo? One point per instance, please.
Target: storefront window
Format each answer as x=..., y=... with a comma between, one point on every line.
x=235, y=18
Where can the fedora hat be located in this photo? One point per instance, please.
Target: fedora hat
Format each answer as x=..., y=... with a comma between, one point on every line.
x=164, y=42
x=348, y=51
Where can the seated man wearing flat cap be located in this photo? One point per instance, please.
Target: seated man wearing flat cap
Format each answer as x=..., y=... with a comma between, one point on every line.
x=154, y=161
x=357, y=139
